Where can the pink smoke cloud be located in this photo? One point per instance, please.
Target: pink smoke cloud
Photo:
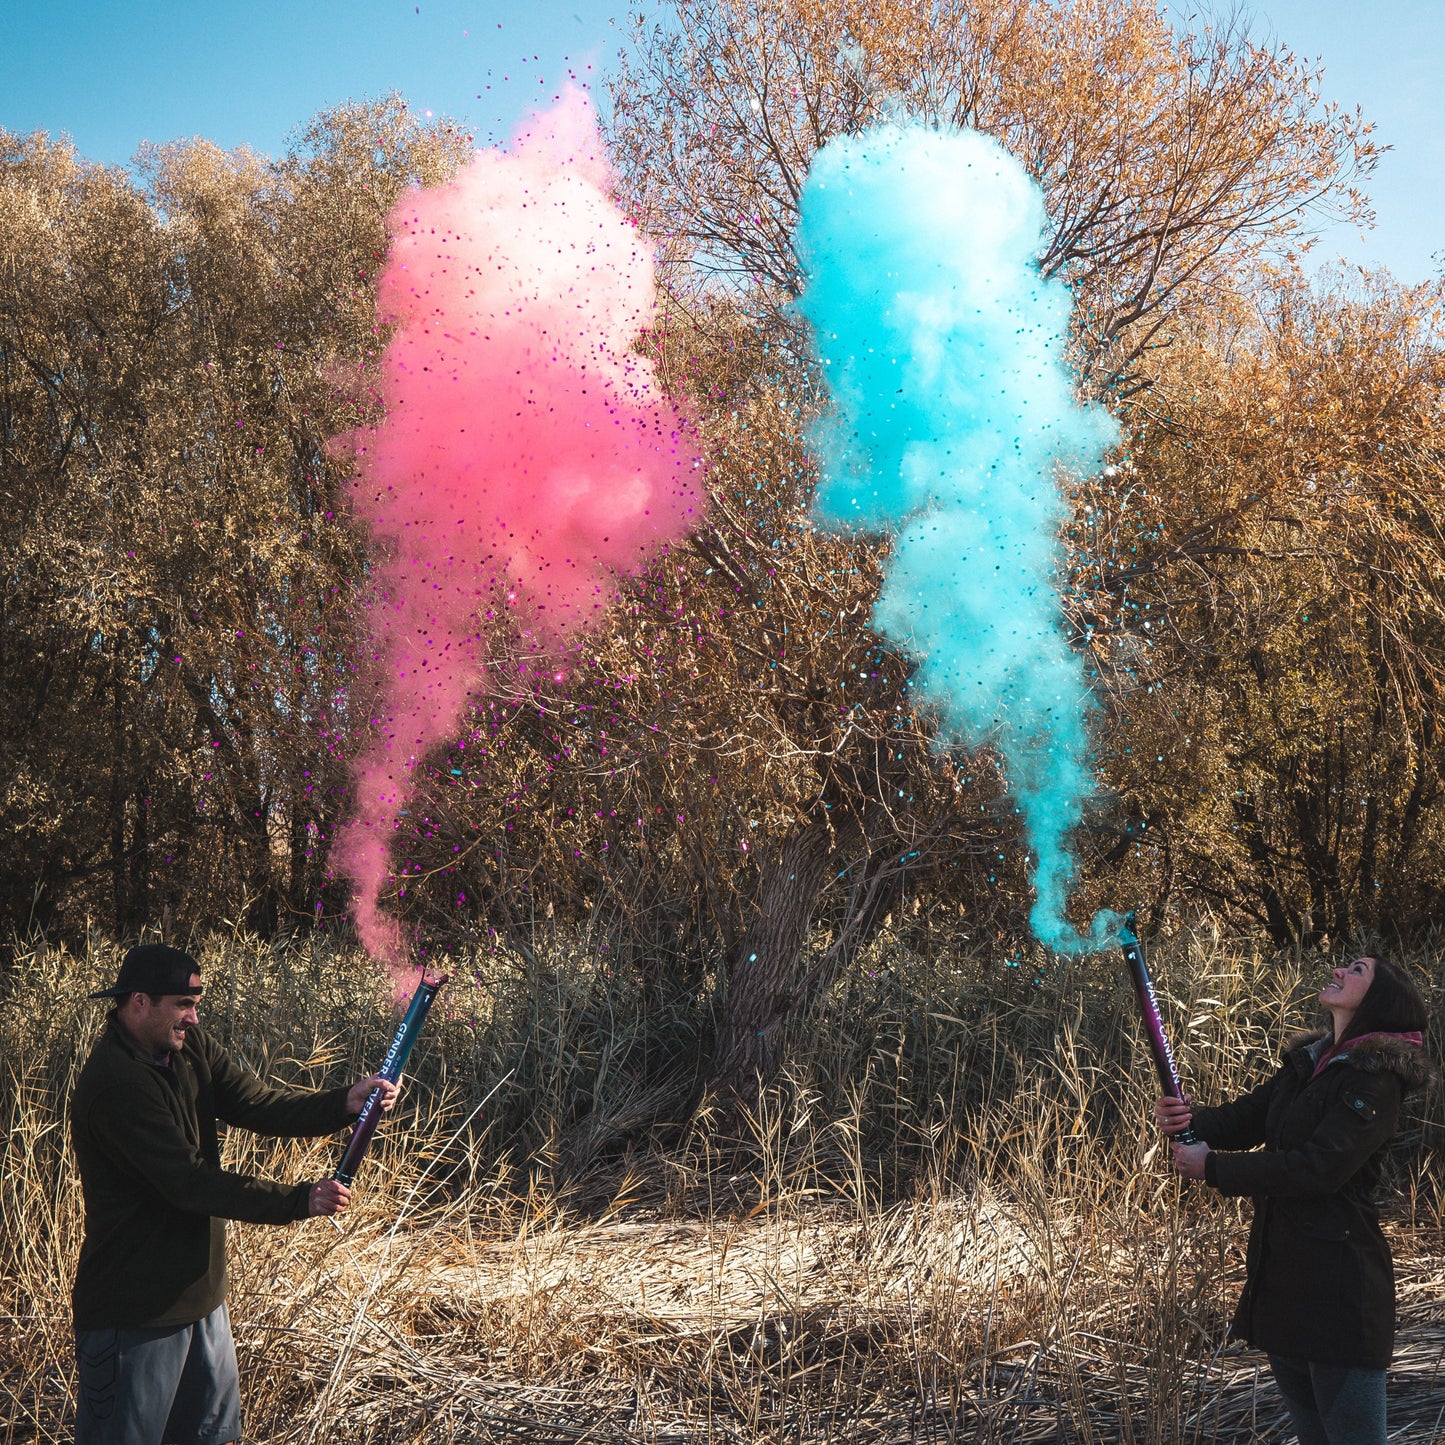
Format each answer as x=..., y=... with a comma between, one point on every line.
x=528, y=454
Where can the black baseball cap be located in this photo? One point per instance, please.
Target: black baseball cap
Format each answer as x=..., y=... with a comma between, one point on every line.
x=153, y=968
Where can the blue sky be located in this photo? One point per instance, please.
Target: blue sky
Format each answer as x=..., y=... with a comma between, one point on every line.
x=1387, y=56
x=116, y=72
x=113, y=73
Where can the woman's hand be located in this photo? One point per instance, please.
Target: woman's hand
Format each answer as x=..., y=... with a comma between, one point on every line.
x=1189, y=1159
x=1173, y=1115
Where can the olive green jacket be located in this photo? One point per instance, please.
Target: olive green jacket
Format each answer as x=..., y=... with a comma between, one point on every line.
x=156, y=1197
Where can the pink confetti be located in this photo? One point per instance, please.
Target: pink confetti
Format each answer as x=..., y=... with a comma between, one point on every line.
x=527, y=448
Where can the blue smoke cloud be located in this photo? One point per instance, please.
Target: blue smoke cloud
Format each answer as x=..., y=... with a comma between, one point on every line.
x=953, y=416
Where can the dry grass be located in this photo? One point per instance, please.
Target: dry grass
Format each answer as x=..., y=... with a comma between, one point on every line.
x=948, y=1223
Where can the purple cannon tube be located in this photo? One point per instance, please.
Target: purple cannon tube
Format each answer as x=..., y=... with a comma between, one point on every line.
x=391, y=1067
x=1154, y=1033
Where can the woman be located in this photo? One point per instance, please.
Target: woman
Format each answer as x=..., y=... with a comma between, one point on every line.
x=1319, y=1289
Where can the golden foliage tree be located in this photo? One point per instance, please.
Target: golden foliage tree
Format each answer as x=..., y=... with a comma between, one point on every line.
x=733, y=767
x=1263, y=586
x=729, y=784
x=1168, y=164
x=1168, y=161
x=734, y=770
x=176, y=347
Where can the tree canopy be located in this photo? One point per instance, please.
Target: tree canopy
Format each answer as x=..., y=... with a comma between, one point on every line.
x=729, y=784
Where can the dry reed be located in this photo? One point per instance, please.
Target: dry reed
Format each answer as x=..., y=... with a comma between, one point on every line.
x=948, y=1222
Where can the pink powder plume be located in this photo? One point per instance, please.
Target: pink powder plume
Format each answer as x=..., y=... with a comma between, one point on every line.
x=527, y=452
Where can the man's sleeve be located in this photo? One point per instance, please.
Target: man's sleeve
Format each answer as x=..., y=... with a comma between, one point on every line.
x=243, y=1100
x=138, y=1129
x=1361, y=1119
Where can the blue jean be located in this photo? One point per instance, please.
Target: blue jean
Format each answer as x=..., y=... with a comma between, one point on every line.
x=1332, y=1404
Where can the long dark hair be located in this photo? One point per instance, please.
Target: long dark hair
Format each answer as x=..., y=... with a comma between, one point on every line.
x=1393, y=1004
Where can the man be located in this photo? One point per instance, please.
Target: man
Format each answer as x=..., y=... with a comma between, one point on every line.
x=153, y=1340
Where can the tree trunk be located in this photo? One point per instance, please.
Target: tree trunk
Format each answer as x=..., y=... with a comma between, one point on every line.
x=140, y=862
x=761, y=990
x=298, y=892
x=116, y=809
x=1279, y=919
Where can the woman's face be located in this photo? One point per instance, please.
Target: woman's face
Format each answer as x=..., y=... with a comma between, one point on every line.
x=1348, y=985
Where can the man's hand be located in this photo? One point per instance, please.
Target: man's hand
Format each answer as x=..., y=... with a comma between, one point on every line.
x=1173, y=1115
x=1189, y=1159
x=328, y=1196
x=357, y=1094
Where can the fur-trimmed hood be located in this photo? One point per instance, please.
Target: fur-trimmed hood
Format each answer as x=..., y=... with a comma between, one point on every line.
x=1376, y=1054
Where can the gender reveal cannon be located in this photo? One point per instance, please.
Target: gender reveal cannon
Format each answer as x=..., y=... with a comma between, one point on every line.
x=396, y=1056
x=1154, y=1034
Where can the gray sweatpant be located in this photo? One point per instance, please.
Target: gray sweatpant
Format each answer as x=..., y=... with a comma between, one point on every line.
x=173, y=1386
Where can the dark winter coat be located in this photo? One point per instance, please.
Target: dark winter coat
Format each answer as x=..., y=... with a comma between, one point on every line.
x=1319, y=1282
x=156, y=1197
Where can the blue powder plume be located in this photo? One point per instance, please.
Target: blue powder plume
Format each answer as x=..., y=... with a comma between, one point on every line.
x=953, y=415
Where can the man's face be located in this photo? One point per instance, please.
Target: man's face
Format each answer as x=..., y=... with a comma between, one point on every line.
x=159, y=1024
